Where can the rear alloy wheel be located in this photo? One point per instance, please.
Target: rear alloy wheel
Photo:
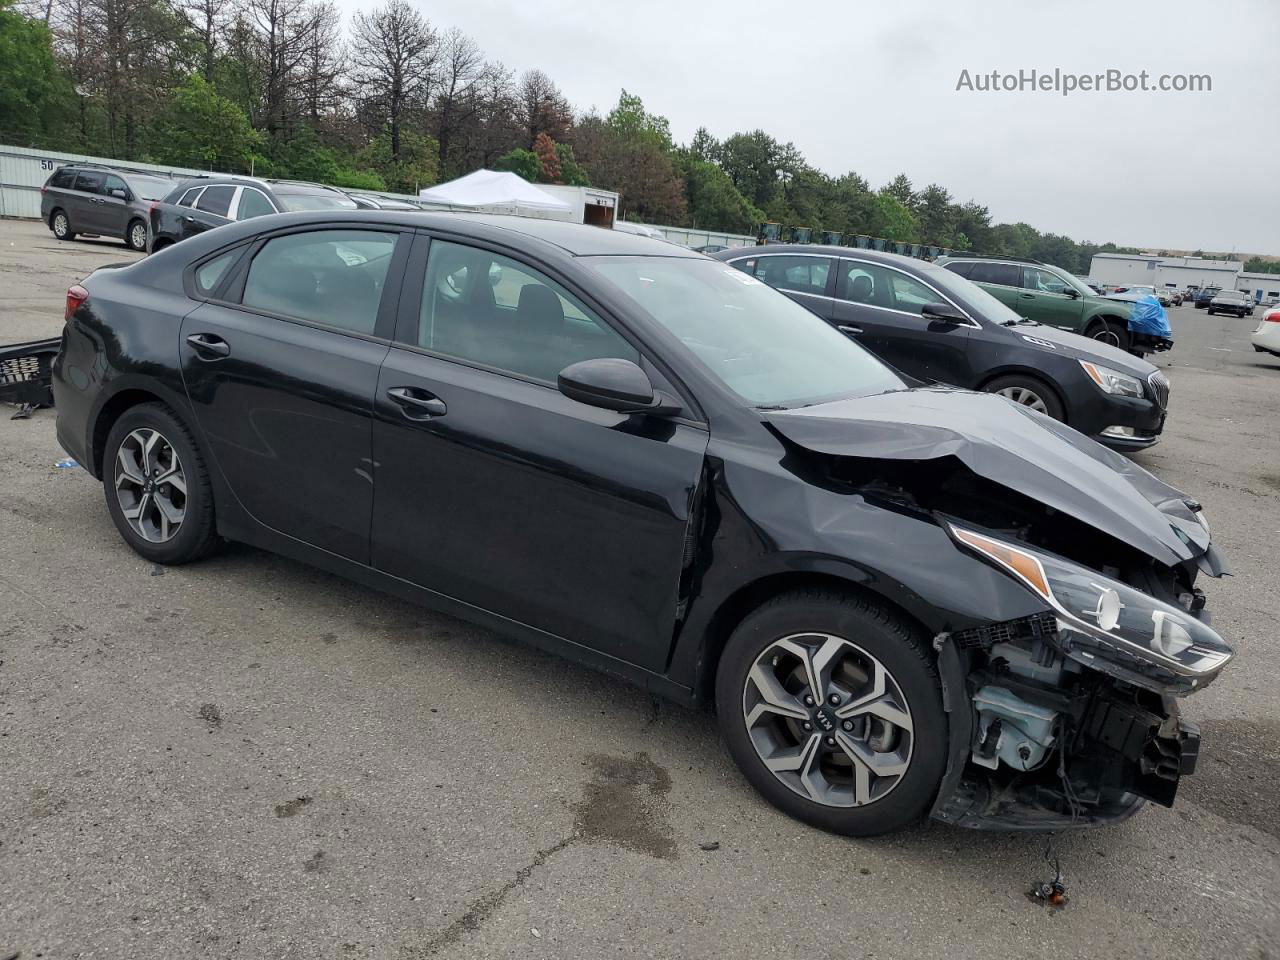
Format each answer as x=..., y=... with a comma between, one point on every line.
x=137, y=236
x=832, y=709
x=1028, y=392
x=62, y=227
x=157, y=487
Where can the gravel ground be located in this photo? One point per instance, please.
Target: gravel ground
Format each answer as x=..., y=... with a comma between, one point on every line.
x=248, y=758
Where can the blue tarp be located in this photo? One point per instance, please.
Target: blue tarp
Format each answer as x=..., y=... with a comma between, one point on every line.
x=1149, y=317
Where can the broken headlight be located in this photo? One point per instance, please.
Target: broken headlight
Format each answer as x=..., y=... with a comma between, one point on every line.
x=1102, y=618
x=1113, y=381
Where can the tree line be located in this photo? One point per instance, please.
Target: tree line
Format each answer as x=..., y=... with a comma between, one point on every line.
x=393, y=102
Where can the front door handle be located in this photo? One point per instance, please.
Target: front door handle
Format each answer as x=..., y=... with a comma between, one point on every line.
x=209, y=347
x=849, y=329
x=189, y=219
x=1028, y=296
x=417, y=404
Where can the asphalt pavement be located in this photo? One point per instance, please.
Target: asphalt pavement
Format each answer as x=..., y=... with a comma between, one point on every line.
x=249, y=758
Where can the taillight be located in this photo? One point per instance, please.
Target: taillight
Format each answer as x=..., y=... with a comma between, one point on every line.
x=154, y=204
x=76, y=295
x=1272, y=316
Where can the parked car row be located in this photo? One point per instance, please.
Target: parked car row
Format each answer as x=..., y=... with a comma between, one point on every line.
x=905, y=599
x=149, y=211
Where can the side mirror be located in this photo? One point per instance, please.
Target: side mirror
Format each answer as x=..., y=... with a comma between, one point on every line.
x=1072, y=292
x=612, y=384
x=117, y=192
x=942, y=313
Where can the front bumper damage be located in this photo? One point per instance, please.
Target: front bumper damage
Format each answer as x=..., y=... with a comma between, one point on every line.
x=1039, y=742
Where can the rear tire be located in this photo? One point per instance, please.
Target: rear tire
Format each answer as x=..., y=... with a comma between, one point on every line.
x=136, y=236
x=1211, y=311
x=157, y=486
x=1029, y=392
x=60, y=224
x=880, y=767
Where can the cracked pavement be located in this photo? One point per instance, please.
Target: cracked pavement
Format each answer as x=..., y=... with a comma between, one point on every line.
x=249, y=758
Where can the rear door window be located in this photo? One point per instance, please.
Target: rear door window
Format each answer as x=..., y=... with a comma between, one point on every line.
x=216, y=200
x=1004, y=274
x=797, y=274
x=90, y=181
x=334, y=277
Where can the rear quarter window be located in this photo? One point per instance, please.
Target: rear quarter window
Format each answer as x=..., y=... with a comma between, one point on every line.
x=62, y=178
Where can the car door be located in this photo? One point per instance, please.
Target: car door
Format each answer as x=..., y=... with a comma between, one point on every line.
x=281, y=364
x=806, y=278
x=1044, y=297
x=881, y=307
x=495, y=489
x=115, y=205
x=84, y=202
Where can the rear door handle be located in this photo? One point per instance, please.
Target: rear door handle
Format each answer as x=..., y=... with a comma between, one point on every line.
x=1027, y=296
x=417, y=404
x=209, y=347
x=849, y=329
x=189, y=219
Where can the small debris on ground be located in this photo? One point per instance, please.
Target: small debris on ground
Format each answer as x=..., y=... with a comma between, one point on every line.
x=1052, y=893
x=534, y=931
x=210, y=714
x=157, y=570
x=66, y=464
x=710, y=845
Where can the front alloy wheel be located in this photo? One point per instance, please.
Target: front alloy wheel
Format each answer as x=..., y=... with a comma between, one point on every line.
x=831, y=707
x=1025, y=396
x=150, y=485
x=828, y=720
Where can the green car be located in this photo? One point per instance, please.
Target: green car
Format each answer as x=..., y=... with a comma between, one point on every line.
x=1056, y=298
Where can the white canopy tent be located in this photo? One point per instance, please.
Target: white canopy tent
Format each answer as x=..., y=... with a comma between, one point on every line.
x=496, y=191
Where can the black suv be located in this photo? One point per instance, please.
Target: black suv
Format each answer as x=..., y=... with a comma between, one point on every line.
x=936, y=326
x=83, y=198
x=203, y=203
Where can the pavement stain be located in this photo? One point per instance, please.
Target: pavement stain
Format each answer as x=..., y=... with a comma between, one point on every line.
x=291, y=808
x=624, y=806
x=210, y=714
x=317, y=863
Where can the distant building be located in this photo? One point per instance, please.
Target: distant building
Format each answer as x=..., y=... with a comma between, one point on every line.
x=1262, y=287
x=1171, y=273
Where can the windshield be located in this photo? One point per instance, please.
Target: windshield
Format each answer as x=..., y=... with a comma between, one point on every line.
x=1230, y=295
x=771, y=352
x=315, y=201
x=984, y=304
x=150, y=188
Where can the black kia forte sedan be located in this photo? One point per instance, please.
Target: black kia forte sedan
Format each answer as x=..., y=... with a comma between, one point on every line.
x=931, y=324
x=903, y=600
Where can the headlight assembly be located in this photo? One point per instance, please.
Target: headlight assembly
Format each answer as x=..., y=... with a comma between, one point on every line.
x=1113, y=381
x=1104, y=619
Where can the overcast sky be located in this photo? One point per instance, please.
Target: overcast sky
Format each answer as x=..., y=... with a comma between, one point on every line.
x=871, y=87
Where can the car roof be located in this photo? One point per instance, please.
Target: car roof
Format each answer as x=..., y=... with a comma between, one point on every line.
x=819, y=250
x=579, y=239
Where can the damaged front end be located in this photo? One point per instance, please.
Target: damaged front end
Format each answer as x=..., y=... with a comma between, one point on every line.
x=1067, y=716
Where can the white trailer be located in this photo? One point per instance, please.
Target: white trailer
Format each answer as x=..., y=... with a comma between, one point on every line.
x=589, y=205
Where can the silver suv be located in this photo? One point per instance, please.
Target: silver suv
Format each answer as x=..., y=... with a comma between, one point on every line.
x=101, y=201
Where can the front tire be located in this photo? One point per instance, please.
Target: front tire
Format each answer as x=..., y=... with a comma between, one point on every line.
x=157, y=486
x=1029, y=392
x=831, y=707
x=1109, y=332
x=136, y=236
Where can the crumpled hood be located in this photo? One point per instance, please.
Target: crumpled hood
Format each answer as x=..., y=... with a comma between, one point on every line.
x=1011, y=445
